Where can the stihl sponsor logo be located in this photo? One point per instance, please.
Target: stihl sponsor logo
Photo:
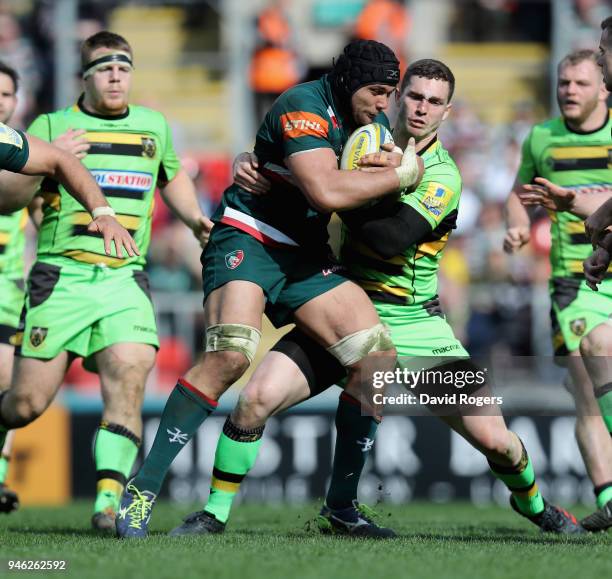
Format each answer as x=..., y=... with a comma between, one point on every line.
x=301, y=123
x=133, y=180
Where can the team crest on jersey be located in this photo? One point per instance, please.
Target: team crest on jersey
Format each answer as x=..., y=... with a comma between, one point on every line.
x=578, y=326
x=148, y=147
x=436, y=199
x=234, y=258
x=37, y=336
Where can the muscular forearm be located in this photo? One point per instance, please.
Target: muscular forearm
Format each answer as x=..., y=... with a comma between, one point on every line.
x=515, y=212
x=78, y=182
x=603, y=210
x=180, y=195
x=342, y=190
x=587, y=203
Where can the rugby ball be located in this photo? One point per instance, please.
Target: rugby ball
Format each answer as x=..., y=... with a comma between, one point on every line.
x=366, y=139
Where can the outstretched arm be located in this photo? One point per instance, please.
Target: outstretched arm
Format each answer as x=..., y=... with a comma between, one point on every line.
x=16, y=188
x=555, y=198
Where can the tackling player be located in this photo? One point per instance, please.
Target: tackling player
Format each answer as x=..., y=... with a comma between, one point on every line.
x=393, y=252
x=572, y=152
x=81, y=302
x=270, y=253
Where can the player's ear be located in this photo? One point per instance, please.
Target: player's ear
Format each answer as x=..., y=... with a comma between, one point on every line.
x=603, y=92
x=447, y=111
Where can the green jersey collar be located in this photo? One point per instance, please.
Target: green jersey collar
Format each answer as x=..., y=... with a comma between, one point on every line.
x=97, y=116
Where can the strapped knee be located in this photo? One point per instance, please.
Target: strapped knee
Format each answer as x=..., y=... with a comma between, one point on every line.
x=354, y=347
x=233, y=337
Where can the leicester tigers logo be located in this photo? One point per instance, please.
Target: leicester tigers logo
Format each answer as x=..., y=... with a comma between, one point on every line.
x=234, y=258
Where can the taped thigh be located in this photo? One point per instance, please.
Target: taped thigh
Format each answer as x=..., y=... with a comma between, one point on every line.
x=355, y=347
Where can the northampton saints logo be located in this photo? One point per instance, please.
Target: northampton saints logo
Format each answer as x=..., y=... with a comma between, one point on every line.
x=578, y=326
x=37, y=336
x=234, y=258
x=148, y=147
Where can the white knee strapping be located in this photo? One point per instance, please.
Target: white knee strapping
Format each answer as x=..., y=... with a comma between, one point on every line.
x=234, y=337
x=354, y=347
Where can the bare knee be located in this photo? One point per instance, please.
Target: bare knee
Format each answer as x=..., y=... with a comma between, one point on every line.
x=255, y=406
x=25, y=408
x=228, y=365
x=595, y=343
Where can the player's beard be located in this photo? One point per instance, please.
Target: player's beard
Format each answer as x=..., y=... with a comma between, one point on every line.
x=582, y=112
x=114, y=106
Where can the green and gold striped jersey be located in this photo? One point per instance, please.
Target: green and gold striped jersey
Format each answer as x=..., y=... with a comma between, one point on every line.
x=12, y=244
x=129, y=156
x=579, y=161
x=411, y=278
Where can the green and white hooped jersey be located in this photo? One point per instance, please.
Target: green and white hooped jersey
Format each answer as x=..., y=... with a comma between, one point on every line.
x=130, y=155
x=411, y=278
x=579, y=161
x=12, y=244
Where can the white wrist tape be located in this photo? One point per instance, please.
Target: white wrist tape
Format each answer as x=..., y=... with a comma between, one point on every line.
x=100, y=211
x=408, y=171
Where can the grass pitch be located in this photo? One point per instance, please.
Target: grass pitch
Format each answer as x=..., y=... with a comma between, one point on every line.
x=436, y=541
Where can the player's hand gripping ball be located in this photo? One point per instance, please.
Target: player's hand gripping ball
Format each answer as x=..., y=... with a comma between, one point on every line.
x=365, y=140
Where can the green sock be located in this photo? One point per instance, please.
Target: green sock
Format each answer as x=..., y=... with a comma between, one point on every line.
x=115, y=450
x=235, y=456
x=355, y=437
x=183, y=414
x=4, y=465
x=520, y=479
x=603, y=493
x=604, y=399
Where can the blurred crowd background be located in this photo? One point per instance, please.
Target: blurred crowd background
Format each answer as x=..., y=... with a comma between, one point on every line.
x=214, y=66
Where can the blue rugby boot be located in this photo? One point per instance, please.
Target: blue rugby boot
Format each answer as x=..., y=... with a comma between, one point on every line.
x=134, y=513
